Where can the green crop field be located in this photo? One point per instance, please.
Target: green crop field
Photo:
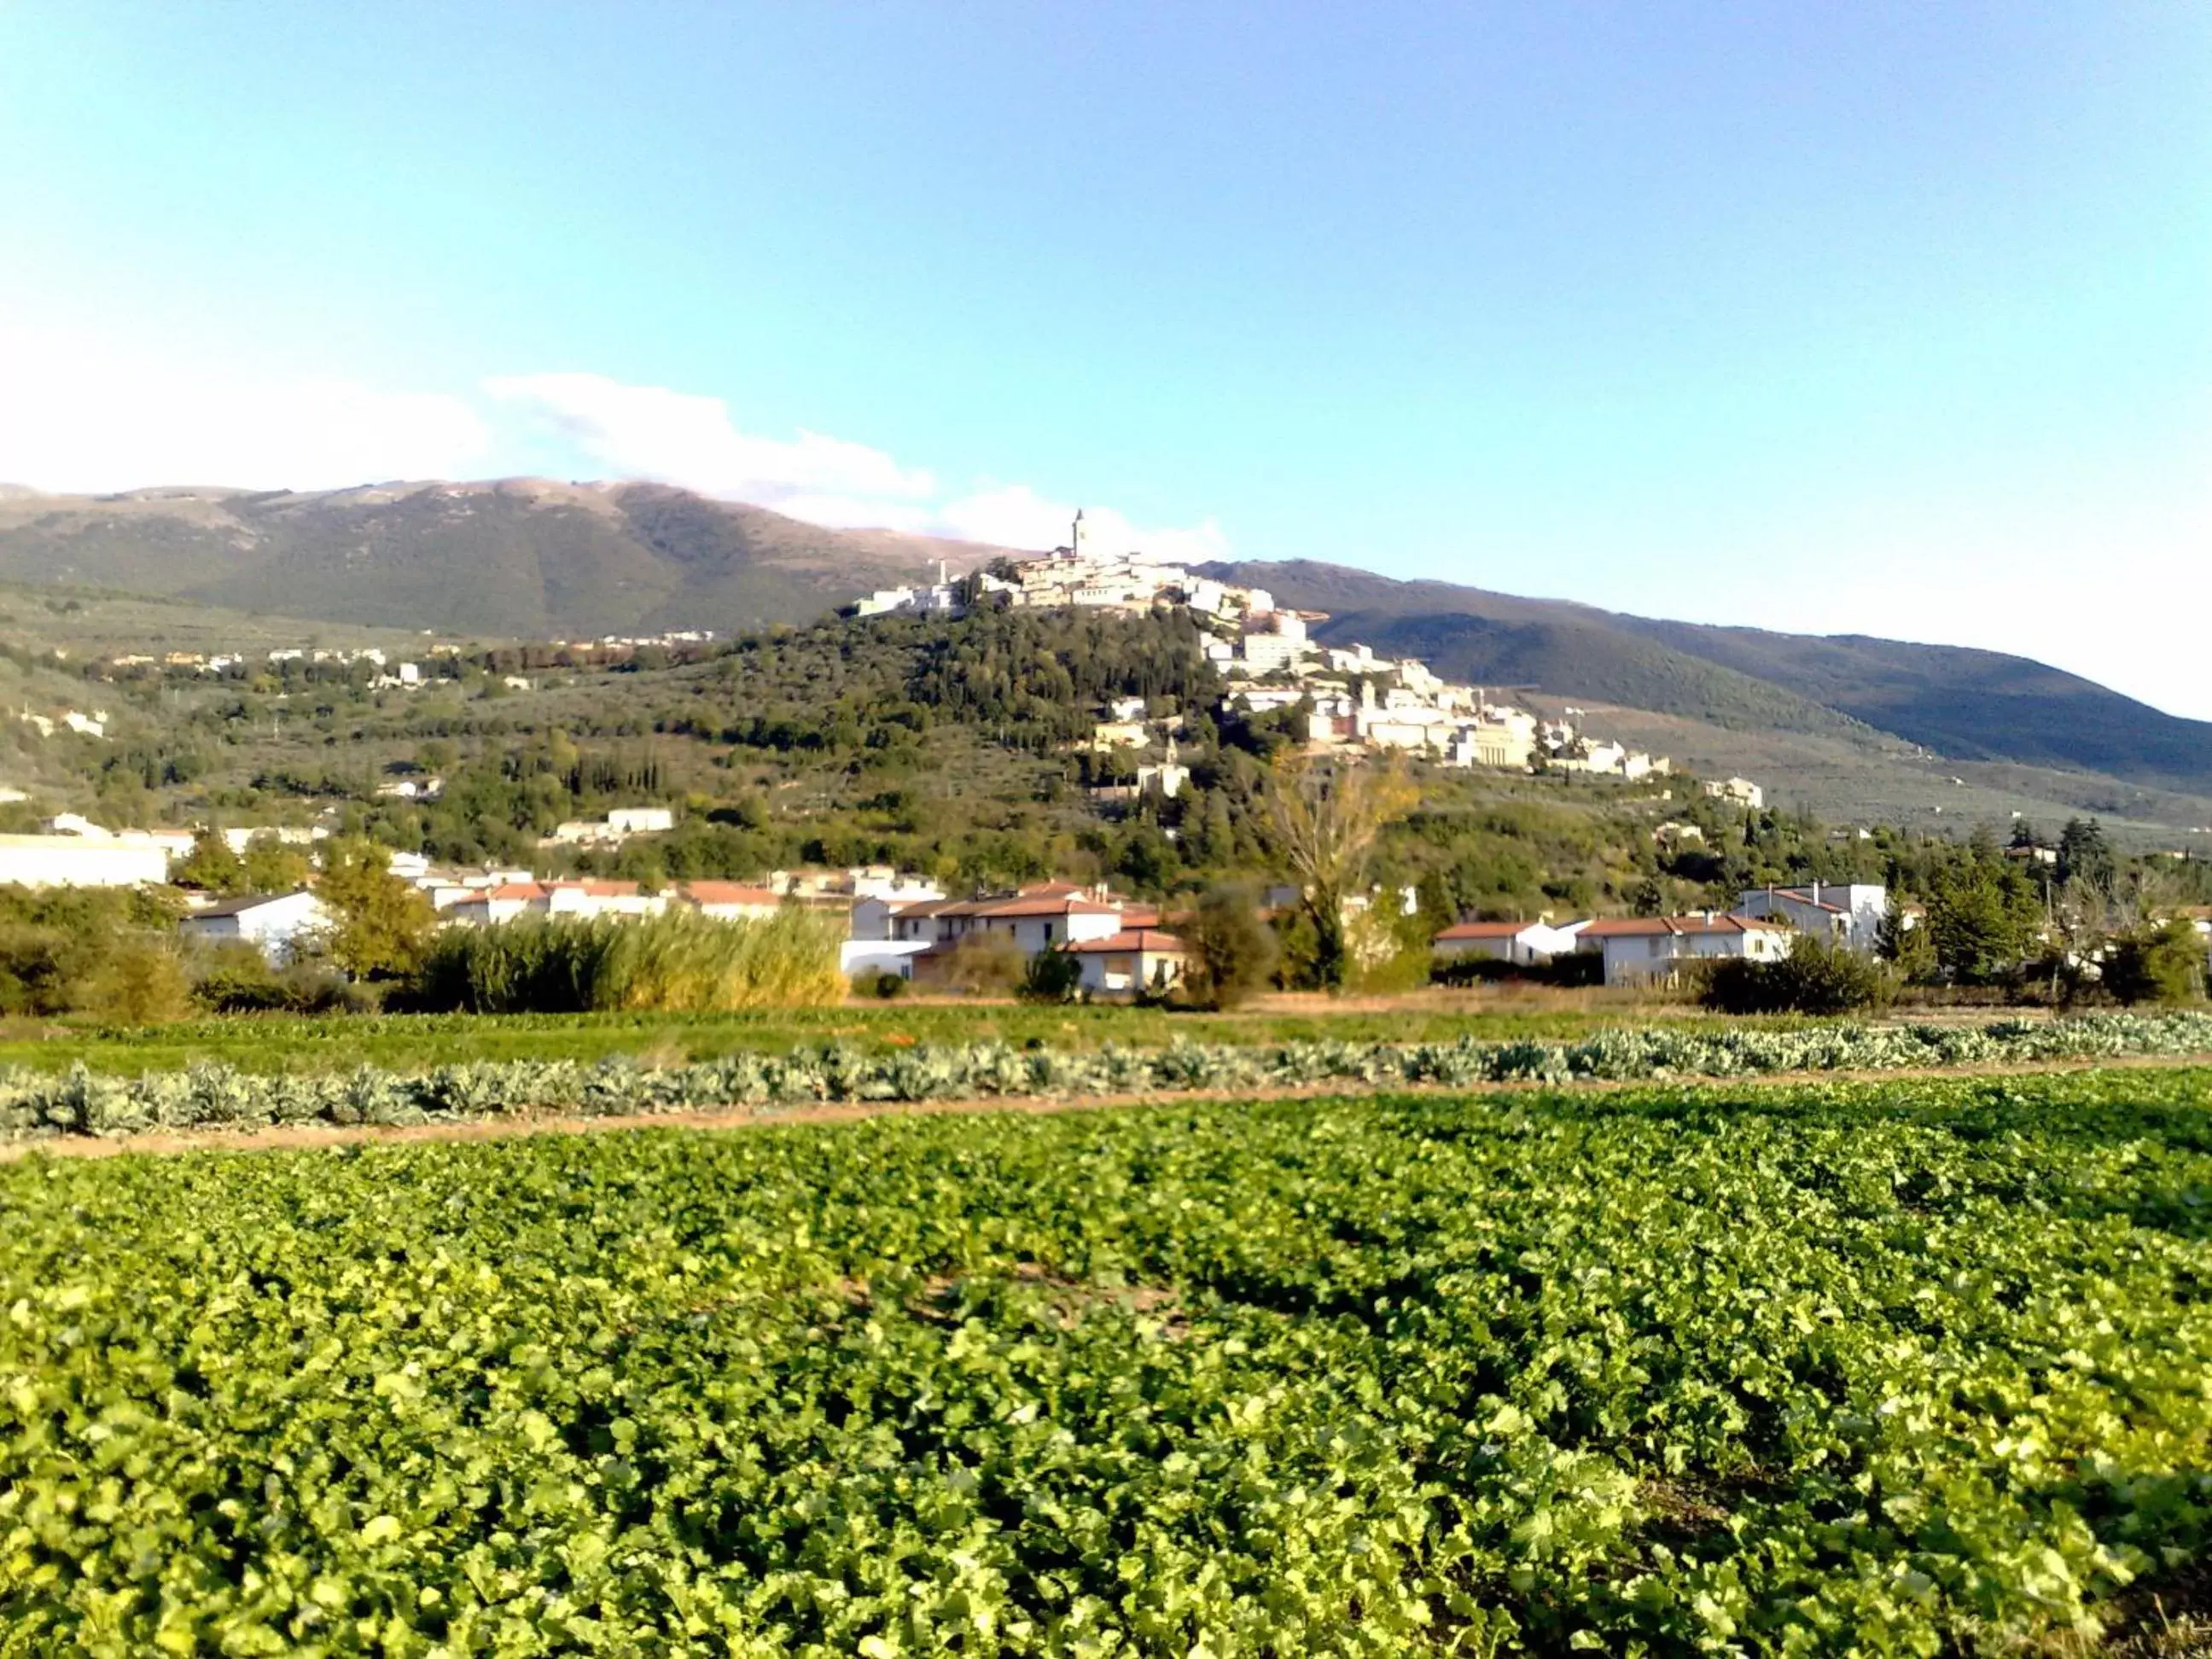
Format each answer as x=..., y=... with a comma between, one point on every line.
x=1904, y=1368
x=340, y=1043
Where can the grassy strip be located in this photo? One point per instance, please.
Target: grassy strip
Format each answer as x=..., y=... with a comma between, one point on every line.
x=341, y=1042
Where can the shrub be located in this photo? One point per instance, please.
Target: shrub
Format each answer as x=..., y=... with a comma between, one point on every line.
x=1570, y=968
x=1472, y=969
x=676, y=962
x=1232, y=950
x=884, y=985
x=138, y=981
x=2165, y=963
x=1814, y=978
x=232, y=977
x=983, y=965
x=1052, y=976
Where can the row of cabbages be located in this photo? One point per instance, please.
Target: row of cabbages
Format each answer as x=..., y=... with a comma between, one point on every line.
x=80, y=1101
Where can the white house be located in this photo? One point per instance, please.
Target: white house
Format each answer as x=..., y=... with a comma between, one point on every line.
x=1132, y=961
x=275, y=924
x=602, y=898
x=487, y=905
x=241, y=837
x=1850, y=914
x=1527, y=943
x=856, y=956
x=1742, y=791
x=1040, y=917
x=641, y=820
x=1644, y=948
x=729, y=901
x=81, y=861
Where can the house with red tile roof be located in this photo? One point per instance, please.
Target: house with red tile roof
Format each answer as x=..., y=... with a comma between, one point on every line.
x=728, y=901
x=1527, y=943
x=1640, y=949
x=1130, y=961
x=1846, y=914
x=1041, y=917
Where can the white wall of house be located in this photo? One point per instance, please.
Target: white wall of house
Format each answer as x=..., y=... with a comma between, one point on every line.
x=1125, y=973
x=1847, y=914
x=81, y=861
x=1630, y=957
x=856, y=956
x=277, y=926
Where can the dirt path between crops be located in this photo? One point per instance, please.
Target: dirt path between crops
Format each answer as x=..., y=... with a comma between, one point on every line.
x=760, y=1117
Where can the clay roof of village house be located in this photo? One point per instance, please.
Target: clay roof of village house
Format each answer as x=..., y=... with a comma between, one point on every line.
x=1803, y=897
x=1040, y=904
x=726, y=892
x=1630, y=926
x=1148, y=941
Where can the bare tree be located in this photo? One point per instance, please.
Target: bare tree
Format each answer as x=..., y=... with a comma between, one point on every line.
x=1323, y=826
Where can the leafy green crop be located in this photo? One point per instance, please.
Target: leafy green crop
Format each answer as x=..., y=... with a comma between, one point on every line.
x=1903, y=1369
x=82, y=1101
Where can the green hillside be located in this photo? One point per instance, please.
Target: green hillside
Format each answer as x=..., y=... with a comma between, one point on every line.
x=533, y=559
x=1965, y=705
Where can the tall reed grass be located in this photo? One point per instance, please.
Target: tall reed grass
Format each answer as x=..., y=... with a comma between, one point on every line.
x=677, y=961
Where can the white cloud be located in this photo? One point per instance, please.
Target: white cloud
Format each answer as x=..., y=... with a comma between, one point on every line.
x=74, y=420
x=680, y=438
x=77, y=417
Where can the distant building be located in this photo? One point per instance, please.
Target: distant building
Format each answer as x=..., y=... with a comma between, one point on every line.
x=488, y=905
x=590, y=899
x=71, y=860
x=856, y=956
x=1525, y=943
x=1041, y=917
x=1640, y=949
x=1742, y=791
x=1129, y=962
x=729, y=901
x=241, y=837
x=612, y=829
x=641, y=820
x=275, y=924
x=1851, y=916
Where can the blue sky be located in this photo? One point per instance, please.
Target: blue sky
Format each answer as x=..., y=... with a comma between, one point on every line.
x=1881, y=319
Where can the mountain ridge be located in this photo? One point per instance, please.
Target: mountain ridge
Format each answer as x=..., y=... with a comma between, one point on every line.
x=515, y=556
x=543, y=558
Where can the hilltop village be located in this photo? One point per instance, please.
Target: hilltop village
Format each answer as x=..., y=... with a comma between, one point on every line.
x=1350, y=699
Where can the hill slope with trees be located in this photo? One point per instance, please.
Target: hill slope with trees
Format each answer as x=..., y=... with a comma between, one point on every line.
x=533, y=559
x=1966, y=704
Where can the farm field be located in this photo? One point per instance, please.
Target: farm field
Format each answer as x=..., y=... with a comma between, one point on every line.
x=341, y=1042
x=1898, y=1368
